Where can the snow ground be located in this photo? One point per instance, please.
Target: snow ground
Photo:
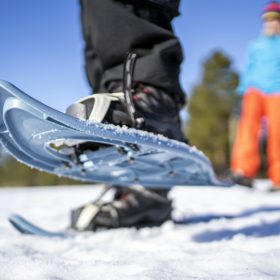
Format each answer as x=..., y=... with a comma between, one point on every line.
x=210, y=244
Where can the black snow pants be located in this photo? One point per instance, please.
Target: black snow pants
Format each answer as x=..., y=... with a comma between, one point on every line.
x=111, y=28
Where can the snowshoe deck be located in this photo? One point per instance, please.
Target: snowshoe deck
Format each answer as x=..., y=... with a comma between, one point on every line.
x=25, y=227
x=36, y=134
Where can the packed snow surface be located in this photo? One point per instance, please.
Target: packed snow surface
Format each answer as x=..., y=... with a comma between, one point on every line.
x=224, y=233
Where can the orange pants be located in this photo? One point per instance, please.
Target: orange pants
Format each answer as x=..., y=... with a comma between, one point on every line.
x=245, y=155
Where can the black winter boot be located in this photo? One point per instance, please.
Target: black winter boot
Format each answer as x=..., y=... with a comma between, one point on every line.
x=158, y=111
x=131, y=207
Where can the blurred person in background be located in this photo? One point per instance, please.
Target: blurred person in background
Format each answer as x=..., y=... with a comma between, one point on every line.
x=260, y=86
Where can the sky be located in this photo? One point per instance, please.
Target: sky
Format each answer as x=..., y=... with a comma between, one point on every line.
x=41, y=45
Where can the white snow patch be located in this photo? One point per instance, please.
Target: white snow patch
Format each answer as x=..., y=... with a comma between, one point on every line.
x=229, y=234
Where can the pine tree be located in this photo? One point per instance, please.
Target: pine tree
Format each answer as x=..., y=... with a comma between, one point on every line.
x=210, y=107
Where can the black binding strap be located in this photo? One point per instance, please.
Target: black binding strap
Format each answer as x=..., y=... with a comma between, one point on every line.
x=129, y=65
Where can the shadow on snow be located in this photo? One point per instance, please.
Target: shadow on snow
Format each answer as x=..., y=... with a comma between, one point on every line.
x=263, y=230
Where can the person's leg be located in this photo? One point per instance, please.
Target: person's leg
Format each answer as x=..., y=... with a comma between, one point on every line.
x=273, y=138
x=113, y=28
x=245, y=156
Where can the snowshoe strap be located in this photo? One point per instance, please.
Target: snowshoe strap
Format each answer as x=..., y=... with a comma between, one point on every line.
x=128, y=72
x=94, y=107
x=86, y=216
x=91, y=210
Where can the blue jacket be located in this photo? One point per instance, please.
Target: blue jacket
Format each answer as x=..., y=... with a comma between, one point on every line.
x=262, y=69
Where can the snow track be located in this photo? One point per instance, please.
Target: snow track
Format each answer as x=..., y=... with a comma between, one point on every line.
x=224, y=234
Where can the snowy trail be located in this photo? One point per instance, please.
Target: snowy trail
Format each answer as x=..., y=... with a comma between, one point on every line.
x=240, y=240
